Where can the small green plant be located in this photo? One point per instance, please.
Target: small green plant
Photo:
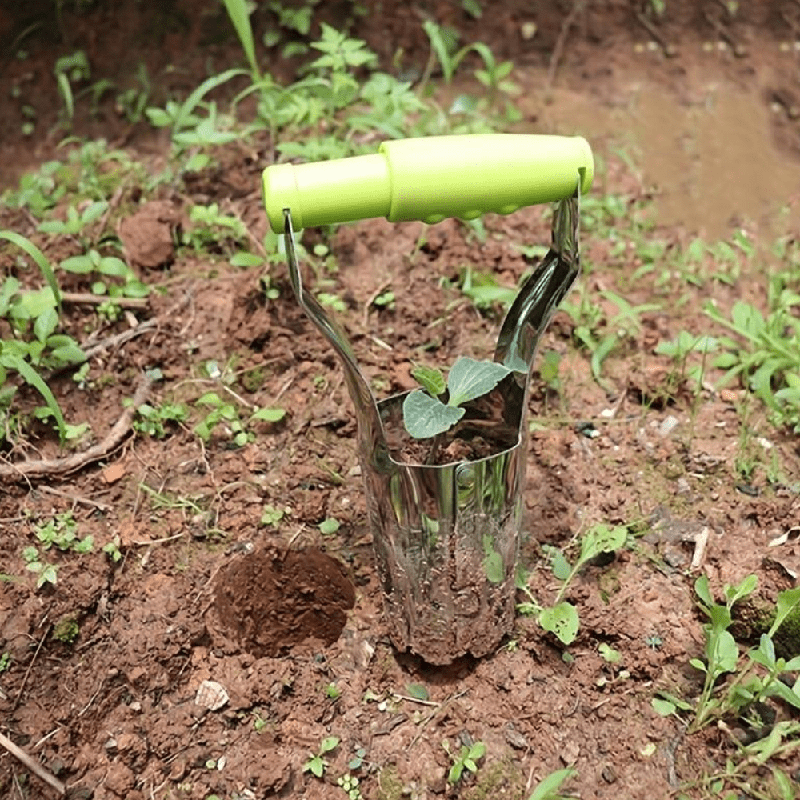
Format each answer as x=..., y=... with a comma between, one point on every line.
x=271, y=515
x=550, y=787
x=210, y=228
x=466, y=758
x=70, y=70
x=317, y=763
x=66, y=630
x=225, y=412
x=562, y=618
x=40, y=310
x=767, y=355
x=332, y=691
x=484, y=291
x=112, y=550
x=5, y=662
x=350, y=787
x=329, y=526
x=60, y=532
x=155, y=420
x=46, y=572
x=425, y=415
x=77, y=219
x=762, y=678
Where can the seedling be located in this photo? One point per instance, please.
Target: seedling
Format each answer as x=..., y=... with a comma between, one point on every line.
x=349, y=784
x=762, y=678
x=562, y=618
x=466, y=758
x=5, y=662
x=317, y=764
x=424, y=415
x=550, y=787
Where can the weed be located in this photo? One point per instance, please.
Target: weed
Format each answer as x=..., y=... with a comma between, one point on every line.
x=550, y=787
x=189, y=128
x=112, y=550
x=350, y=787
x=329, y=526
x=317, y=764
x=5, y=662
x=272, y=515
x=154, y=421
x=484, y=291
x=466, y=758
x=46, y=572
x=332, y=691
x=66, y=630
x=768, y=360
x=211, y=229
x=763, y=676
x=69, y=70
x=562, y=618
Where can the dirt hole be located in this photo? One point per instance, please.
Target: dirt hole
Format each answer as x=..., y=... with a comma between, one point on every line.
x=273, y=600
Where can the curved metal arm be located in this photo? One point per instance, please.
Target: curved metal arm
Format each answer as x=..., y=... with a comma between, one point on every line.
x=369, y=424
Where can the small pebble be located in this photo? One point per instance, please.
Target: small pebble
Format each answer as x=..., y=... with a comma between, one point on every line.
x=608, y=774
x=667, y=426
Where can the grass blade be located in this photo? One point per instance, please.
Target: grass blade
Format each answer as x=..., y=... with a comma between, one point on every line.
x=237, y=11
x=39, y=257
x=36, y=380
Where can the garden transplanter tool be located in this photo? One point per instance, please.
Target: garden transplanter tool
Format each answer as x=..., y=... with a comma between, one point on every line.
x=446, y=537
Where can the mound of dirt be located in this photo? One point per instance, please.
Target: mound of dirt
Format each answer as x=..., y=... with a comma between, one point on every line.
x=273, y=600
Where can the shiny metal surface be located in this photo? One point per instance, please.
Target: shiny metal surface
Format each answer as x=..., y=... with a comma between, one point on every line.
x=446, y=537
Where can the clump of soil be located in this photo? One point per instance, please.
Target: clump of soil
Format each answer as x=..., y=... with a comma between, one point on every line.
x=273, y=600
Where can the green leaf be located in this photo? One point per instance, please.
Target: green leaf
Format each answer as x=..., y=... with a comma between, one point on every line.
x=45, y=324
x=703, y=590
x=328, y=744
x=430, y=378
x=246, y=260
x=602, y=539
x=239, y=13
x=269, y=414
x=469, y=379
x=425, y=416
x=78, y=265
x=559, y=564
x=115, y=267
x=418, y=691
x=562, y=620
x=784, y=783
x=746, y=587
x=316, y=766
x=41, y=260
x=663, y=707
x=329, y=526
x=548, y=789
x=698, y=664
x=30, y=375
x=787, y=602
x=492, y=562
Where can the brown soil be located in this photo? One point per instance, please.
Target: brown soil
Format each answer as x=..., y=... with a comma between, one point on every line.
x=203, y=592
x=271, y=602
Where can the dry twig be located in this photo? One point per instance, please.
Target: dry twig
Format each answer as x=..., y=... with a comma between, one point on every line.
x=34, y=766
x=566, y=26
x=41, y=468
x=80, y=298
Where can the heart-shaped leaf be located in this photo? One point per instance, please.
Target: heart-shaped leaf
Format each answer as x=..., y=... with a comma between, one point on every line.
x=469, y=379
x=425, y=416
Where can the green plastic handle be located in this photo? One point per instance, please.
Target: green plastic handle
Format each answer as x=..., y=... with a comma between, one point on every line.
x=431, y=178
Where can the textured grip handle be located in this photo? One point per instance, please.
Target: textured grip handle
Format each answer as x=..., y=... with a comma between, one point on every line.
x=431, y=178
